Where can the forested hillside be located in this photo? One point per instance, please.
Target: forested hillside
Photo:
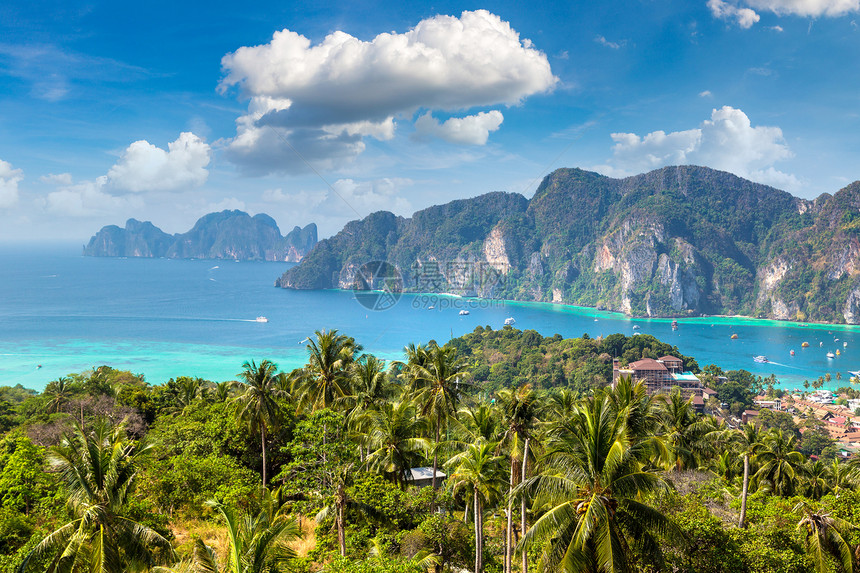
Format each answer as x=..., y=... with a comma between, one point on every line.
x=537, y=460
x=673, y=242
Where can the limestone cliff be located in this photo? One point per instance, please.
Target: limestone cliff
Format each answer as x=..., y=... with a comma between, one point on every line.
x=677, y=241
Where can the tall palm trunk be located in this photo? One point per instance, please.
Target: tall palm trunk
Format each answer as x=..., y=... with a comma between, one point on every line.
x=510, y=515
x=263, y=443
x=341, y=522
x=436, y=455
x=479, y=534
x=743, y=518
x=525, y=567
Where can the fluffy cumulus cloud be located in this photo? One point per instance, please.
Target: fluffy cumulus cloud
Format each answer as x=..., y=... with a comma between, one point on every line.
x=325, y=98
x=744, y=17
x=727, y=141
x=145, y=167
x=351, y=196
x=88, y=199
x=9, y=179
x=469, y=130
x=744, y=11
x=57, y=178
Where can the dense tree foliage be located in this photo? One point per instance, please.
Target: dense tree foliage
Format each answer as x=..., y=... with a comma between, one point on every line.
x=541, y=464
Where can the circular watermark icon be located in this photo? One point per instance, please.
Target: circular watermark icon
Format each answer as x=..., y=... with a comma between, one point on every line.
x=377, y=285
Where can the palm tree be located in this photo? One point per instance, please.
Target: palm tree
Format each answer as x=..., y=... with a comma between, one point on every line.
x=560, y=405
x=825, y=536
x=369, y=384
x=478, y=422
x=478, y=469
x=519, y=415
x=99, y=468
x=438, y=391
x=639, y=407
x=60, y=391
x=203, y=560
x=780, y=464
x=680, y=430
x=748, y=440
x=257, y=404
x=843, y=475
x=589, y=493
x=817, y=479
x=188, y=391
x=393, y=440
x=222, y=390
x=259, y=543
x=326, y=378
x=341, y=478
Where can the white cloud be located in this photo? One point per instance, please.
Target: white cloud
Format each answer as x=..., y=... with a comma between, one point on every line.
x=88, y=199
x=9, y=179
x=604, y=42
x=777, y=28
x=706, y=93
x=372, y=195
x=145, y=167
x=469, y=130
x=744, y=11
x=327, y=97
x=726, y=141
x=57, y=179
x=744, y=17
x=811, y=8
x=306, y=199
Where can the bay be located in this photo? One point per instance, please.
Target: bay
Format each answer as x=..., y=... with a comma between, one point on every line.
x=61, y=312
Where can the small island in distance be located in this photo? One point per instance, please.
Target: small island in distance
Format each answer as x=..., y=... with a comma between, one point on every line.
x=225, y=235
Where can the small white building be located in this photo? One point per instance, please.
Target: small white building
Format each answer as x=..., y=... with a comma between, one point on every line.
x=423, y=477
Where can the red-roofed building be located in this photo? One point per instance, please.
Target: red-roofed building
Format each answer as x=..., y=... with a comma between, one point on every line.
x=659, y=375
x=672, y=364
x=748, y=415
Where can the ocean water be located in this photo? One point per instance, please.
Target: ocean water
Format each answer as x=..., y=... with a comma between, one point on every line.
x=61, y=312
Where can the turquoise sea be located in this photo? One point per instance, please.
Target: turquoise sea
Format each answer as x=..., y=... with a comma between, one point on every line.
x=61, y=312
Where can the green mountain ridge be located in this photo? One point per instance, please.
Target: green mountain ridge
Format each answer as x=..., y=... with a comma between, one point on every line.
x=677, y=241
x=224, y=235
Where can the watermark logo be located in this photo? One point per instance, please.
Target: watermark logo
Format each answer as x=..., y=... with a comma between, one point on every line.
x=463, y=285
x=377, y=285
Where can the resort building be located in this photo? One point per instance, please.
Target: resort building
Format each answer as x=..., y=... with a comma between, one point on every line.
x=661, y=375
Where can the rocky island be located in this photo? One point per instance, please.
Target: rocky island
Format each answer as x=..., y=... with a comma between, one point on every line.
x=677, y=241
x=224, y=235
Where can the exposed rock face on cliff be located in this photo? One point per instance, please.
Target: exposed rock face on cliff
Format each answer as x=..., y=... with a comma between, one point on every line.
x=224, y=235
x=677, y=241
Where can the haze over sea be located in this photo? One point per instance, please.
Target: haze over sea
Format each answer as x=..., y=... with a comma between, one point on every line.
x=166, y=318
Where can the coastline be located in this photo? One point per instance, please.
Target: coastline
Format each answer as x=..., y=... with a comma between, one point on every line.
x=724, y=319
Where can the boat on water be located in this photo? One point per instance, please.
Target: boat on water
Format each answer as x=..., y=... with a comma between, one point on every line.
x=838, y=352
x=261, y=319
x=831, y=355
x=845, y=344
x=431, y=307
x=674, y=325
x=509, y=321
x=792, y=352
x=635, y=327
x=805, y=345
x=854, y=373
x=734, y=336
x=464, y=312
x=761, y=359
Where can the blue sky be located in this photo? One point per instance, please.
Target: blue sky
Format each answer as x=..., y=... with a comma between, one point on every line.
x=165, y=111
